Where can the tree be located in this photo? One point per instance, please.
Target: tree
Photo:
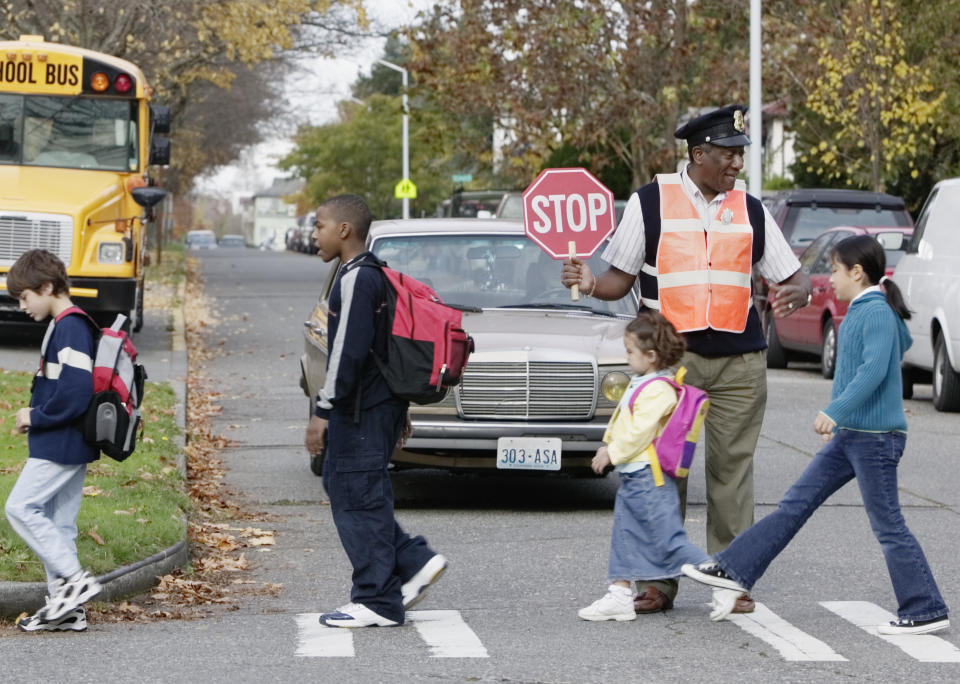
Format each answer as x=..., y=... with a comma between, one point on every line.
x=193, y=51
x=597, y=74
x=878, y=111
x=361, y=154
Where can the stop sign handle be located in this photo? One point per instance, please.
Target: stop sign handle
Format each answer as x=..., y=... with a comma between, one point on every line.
x=575, y=288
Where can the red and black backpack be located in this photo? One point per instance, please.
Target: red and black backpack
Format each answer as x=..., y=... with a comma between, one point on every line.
x=427, y=348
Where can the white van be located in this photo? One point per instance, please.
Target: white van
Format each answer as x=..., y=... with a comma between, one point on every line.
x=929, y=275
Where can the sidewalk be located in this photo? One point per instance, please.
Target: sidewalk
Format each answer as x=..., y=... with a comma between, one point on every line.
x=165, y=366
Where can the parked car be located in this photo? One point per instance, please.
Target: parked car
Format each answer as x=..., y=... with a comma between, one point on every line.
x=546, y=370
x=231, y=240
x=201, y=239
x=813, y=329
x=805, y=214
x=929, y=275
x=471, y=204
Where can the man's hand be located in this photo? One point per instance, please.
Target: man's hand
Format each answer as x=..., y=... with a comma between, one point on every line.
x=601, y=460
x=316, y=430
x=576, y=272
x=791, y=294
x=23, y=419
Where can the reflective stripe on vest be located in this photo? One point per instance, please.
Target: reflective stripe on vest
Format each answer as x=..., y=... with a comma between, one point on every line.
x=703, y=278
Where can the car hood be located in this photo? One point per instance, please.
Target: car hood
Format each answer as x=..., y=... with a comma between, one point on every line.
x=508, y=334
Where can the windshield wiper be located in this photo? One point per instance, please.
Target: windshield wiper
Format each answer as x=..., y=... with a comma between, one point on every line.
x=560, y=307
x=464, y=307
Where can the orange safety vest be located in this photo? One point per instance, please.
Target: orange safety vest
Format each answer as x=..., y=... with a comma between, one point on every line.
x=703, y=278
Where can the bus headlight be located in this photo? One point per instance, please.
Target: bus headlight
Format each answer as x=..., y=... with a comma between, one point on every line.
x=614, y=385
x=110, y=253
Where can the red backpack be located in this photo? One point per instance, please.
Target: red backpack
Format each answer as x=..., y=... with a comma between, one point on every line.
x=113, y=416
x=427, y=347
x=673, y=450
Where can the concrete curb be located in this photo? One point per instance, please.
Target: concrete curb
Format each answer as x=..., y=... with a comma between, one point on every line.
x=19, y=597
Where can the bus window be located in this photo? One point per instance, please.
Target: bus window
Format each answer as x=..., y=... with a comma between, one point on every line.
x=79, y=133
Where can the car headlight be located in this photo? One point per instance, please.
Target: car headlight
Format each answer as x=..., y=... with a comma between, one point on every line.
x=110, y=253
x=614, y=385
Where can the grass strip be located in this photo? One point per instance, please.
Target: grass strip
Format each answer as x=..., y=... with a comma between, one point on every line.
x=130, y=510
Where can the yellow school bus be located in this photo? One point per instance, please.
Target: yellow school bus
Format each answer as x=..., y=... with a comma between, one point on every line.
x=77, y=133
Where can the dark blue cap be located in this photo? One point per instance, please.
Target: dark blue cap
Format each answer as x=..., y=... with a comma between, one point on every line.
x=724, y=127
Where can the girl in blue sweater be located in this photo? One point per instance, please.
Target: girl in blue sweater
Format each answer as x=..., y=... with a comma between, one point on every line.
x=869, y=429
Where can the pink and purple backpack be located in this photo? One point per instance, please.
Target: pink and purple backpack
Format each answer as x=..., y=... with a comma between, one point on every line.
x=674, y=448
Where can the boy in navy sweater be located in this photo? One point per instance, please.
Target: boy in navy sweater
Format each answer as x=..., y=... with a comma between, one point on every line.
x=363, y=421
x=43, y=505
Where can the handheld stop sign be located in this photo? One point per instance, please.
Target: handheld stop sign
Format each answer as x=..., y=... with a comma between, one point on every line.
x=568, y=212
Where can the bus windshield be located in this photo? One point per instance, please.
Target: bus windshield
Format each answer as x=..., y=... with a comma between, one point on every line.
x=68, y=132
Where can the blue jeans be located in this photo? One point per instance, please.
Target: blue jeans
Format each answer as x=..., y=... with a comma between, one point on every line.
x=872, y=458
x=357, y=482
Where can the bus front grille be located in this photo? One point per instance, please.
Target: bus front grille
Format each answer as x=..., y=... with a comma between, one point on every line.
x=20, y=232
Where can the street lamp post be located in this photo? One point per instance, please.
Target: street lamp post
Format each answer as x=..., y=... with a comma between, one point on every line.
x=406, y=130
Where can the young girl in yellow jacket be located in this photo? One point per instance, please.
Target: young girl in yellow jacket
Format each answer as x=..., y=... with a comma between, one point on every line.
x=648, y=540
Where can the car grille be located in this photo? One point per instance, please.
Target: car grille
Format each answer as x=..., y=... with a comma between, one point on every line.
x=528, y=390
x=25, y=231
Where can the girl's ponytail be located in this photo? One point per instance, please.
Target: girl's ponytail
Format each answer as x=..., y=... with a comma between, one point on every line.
x=895, y=298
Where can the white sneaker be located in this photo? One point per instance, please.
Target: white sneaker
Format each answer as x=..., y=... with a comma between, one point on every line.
x=71, y=594
x=614, y=605
x=74, y=621
x=724, y=601
x=416, y=587
x=355, y=615
x=901, y=626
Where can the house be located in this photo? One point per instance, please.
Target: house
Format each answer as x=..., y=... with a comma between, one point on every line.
x=275, y=212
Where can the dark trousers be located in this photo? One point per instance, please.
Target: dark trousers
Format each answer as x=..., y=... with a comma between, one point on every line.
x=356, y=479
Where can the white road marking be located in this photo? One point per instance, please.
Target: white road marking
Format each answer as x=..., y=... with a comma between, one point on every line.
x=792, y=643
x=444, y=631
x=447, y=635
x=926, y=648
x=319, y=641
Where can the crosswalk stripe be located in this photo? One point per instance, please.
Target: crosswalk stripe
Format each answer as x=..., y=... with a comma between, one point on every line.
x=926, y=648
x=447, y=635
x=319, y=641
x=791, y=642
x=444, y=632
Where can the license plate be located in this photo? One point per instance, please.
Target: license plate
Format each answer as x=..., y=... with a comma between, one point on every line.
x=528, y=453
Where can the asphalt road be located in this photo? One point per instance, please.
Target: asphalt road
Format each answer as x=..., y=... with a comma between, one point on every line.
x=526, y=552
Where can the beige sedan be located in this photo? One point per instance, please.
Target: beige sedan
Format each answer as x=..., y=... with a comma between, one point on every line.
x=539, y=389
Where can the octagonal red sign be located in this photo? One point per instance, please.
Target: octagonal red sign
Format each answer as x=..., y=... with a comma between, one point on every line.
x=568, y=205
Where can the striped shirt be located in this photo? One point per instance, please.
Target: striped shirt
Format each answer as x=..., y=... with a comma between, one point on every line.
x=62, y=390
x=626, y=248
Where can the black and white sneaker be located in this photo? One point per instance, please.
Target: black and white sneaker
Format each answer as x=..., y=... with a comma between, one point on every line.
x=73, y=621
x=72, y=593
x=710, y=572
x=901, y=626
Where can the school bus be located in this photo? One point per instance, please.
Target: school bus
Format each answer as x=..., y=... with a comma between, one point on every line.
x=77, y=135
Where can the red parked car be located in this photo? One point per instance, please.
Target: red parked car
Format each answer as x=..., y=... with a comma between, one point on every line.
x=813, y=329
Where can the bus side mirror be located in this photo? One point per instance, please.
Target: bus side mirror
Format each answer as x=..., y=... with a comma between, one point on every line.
x=161, y=118
x=160, y=151
x=148, y=197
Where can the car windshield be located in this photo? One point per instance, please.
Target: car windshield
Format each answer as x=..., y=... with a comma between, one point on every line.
x=68, y=132
x=201, y=239
x=490, y=271
x=809, y=222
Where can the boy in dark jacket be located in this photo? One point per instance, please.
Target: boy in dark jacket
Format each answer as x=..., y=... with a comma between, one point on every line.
x=363, y=421
x=43, y=505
